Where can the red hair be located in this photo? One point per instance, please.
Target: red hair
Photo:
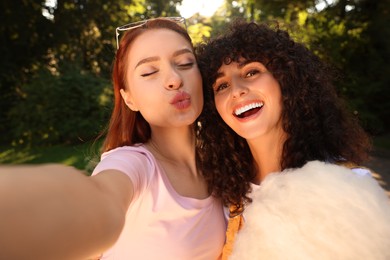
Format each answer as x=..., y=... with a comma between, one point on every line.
x=128, y=127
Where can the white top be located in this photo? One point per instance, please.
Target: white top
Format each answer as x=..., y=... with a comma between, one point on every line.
x=358, y=171
x=160, y=223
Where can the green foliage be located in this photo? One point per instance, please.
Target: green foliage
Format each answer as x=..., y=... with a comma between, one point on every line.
x=83, y=156
x=382, y=142
x=78, y=32
x=64, y=108
x=20, y=45
x=355, y=41
x=199, y=32
x=353, y=35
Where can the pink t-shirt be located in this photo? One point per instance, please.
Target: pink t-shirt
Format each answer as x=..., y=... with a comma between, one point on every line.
x=160, y=223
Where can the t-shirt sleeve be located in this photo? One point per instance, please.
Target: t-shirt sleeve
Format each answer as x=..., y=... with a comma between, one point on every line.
x=132, y=161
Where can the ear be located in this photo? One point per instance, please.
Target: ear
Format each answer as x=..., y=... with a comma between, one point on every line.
x=128, y=100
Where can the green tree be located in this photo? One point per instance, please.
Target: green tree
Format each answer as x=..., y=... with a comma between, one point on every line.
x=21, y=48
x=353, y=35
x=67, y=108
x=77, y=33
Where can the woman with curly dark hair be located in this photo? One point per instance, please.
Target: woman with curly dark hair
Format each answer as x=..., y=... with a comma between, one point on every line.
x=274, y=136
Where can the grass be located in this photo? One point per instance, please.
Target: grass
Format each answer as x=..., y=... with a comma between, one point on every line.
x=85, y=156
x=82, y=156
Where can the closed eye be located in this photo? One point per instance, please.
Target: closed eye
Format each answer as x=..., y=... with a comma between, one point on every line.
x=149, y=73
x=186, y=65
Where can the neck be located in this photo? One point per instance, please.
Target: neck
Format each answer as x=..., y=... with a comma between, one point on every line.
x=175, y=145
x=267, y=153
x=174, y=150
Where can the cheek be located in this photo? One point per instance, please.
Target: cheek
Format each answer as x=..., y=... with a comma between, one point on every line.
x=196, y=78
x=197, y=90
x=198, y=85
x=278, y=99
x=197, y=101
x=278, y=104
x=219, y=105
x=274, y=92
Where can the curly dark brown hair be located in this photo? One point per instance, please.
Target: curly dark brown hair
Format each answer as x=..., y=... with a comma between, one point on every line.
x=316, y=121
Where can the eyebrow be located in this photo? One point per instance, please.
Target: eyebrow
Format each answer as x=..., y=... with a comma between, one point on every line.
x=147, y=60
x=219, y=75
x=182, y=51
x=240, y=65
x=156, y=58
x=243, y=63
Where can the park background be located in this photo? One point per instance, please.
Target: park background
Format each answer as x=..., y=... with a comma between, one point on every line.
x=57, y=55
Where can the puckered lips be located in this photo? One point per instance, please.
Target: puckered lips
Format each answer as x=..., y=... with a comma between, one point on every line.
x=248, y=109
x=181, y=100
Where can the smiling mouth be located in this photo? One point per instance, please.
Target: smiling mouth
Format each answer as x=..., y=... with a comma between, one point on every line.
x=248, y=110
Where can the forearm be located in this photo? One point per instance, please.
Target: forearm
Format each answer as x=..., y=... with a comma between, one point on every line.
x=54, y=213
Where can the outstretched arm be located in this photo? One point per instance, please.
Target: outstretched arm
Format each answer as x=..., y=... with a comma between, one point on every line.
x=57, y=212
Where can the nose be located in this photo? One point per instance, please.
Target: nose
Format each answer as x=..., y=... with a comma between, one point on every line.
x=238, y=89
x=174, y=80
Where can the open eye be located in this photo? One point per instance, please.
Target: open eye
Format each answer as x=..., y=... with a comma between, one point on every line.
x=221, y=86
x=251, y=73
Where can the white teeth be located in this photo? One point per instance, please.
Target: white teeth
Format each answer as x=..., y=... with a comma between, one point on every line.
x=243, y=109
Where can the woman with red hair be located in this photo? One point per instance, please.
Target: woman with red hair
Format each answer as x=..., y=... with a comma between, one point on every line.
x=146, y=198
